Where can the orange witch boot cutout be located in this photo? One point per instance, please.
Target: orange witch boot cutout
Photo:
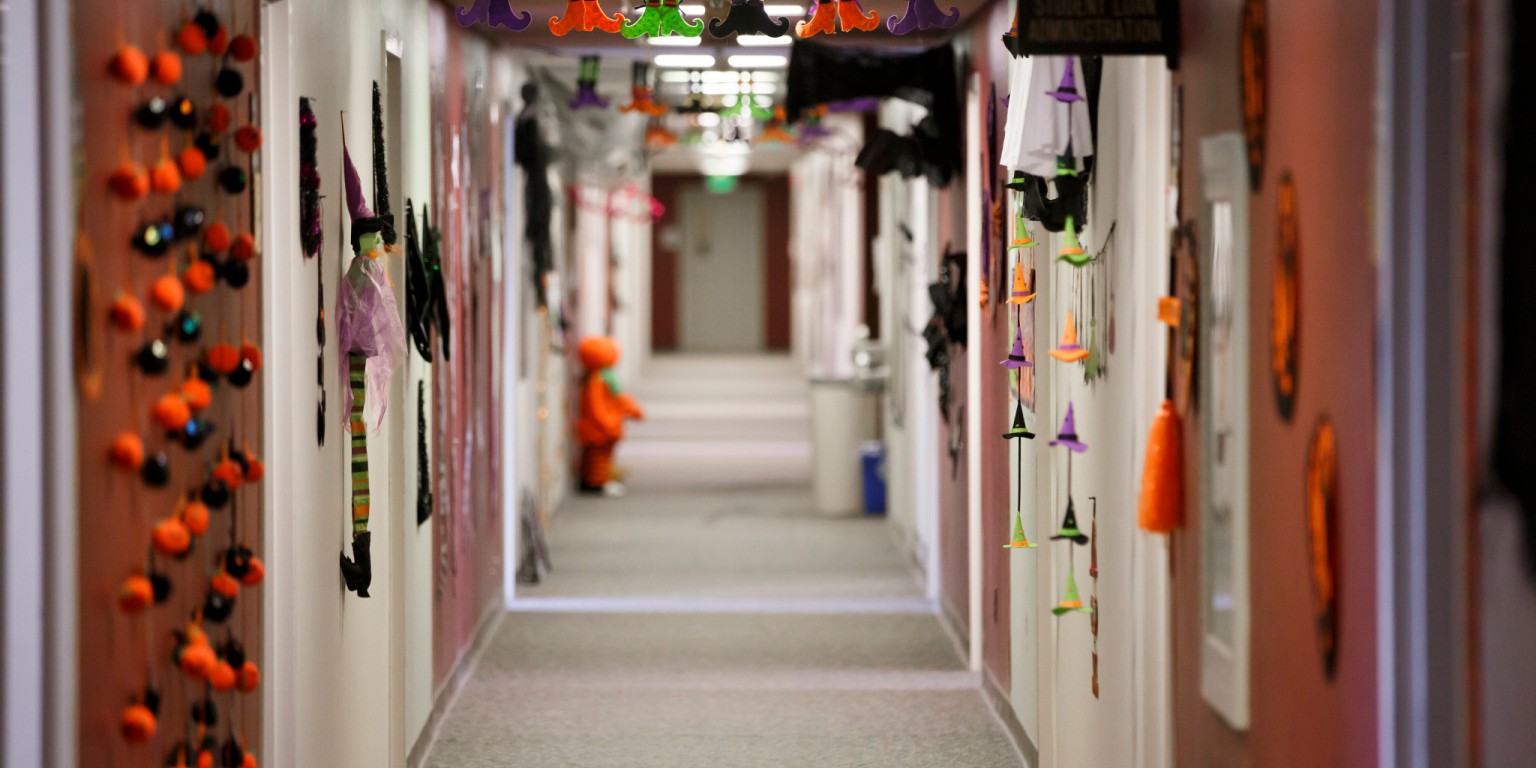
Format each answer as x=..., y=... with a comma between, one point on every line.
x=823, y=20
x=850, y=16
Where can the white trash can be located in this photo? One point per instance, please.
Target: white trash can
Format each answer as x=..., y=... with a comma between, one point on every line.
x=843, y=416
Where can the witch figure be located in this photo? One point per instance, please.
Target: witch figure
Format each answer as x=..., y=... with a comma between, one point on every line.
x=371, y=342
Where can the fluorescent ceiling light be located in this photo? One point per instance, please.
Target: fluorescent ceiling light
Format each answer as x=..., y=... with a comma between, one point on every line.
x=750, y=60
x=675, y=77
x=708, y=119
x=731, y=89
x=758, y=40
x=692, y=9
x=685, y=60
x=672, y=40
x=784, y=10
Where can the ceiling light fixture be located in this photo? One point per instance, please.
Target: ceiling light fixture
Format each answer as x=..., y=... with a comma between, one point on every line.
x=756, y=41
x=677, y=41
x=784, y=10
x=750, y=60
x=684, y=60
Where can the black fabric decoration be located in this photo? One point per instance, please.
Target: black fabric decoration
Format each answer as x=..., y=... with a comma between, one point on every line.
x=418, y=292
x=947, y=327
x=747, y=17
x=381, y=171
x=821, y=74
x=1514, y=441
x=1071, y=199
x=438, y=285
x=886, y=151
x=311, y=234
x=423, y=459
x=533, y=155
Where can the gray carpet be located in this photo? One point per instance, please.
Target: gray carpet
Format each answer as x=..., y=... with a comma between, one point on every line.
x=710, y=620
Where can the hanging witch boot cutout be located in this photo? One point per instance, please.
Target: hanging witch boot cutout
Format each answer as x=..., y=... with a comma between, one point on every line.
x=358, y=571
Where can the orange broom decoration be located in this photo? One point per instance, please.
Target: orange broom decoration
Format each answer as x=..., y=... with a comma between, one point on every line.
x=1162, y=478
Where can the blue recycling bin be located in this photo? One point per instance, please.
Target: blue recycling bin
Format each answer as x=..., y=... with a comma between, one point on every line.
x=872, y=459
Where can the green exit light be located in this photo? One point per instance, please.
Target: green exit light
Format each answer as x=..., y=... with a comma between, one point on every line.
x=720, y=185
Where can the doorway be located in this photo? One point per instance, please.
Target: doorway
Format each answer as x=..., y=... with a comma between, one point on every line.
x=720, y=277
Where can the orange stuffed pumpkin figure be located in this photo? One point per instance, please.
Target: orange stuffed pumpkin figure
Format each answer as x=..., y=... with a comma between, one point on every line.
x=603, y=412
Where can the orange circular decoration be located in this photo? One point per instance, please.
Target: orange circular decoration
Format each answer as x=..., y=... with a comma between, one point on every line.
x=243, y=48
x=167, y=293
x=244, y=247
x=130, y=181
x=1285, y=313
x=171, y=412
x=1254, y=51
x=1322, y=504
x=198, y=277
x=248, y=138
x=192, y=163
x=167, y=68
x=196, y=393
x=222, y=677
x=250, y=677
x=171, y=537
x=255, y=573
x=255, y=469
x=219, y=43
x=197, y=659
x=127, y=313
x=205, y=759
x=249, y=761
x=230, y=472
x=127, y=451
x=223, y=358
x=251, y=354
x=219, y=118
x=192, y=39
x=135, y=594
x=137, y=724
x=225, y=584
x=195, y=517
x=130, y=65
x=216, y=238
x=166, y=177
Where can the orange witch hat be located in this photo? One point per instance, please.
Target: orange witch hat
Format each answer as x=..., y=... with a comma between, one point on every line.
x=1021, y=292
x=1069, y=351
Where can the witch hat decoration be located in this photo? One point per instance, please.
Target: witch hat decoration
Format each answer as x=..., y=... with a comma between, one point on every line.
x=1019, y=540
x=1016, y=359
x=1070, y=601
x=1068, y=350
x=1021, y=292
x=1067, y=438
x=1069, y=530
x=1018, y=429
x=1066, y=91
x=1071, y=250
x=1022, y=237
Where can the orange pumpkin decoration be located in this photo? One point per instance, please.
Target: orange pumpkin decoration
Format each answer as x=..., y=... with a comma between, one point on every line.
x=130, y=181
x=216, y=238
x=230, y=472
x=254, y=573
x=244, y=247
x=255, y=469
x=225, y=584
x=165, y=178
x=250, y=677
x=223, y=358
x=127, y=313
x=167, y=293
x=251, y=353
x=219, y=118
x=192, y=39
x=205, y=759
x=130, y=65
x=127, y=451
x=198, y=277
x=248, y=138
x=195, y=517
x=222, y=676
x=196, y=392
x=167, y=68
x=243, y=48
x=137, y=724
x=197, y=659
x=192, y=163
x=249, y=761
x=170, y=537
x=135, y=594
x=219, y=43
x=171, y=412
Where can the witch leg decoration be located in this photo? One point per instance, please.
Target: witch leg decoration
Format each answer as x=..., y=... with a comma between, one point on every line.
x=662, y=18
x=747, y=17
x=923, y=15
x=584, y=16
x=822, y=21
x=586, y=86
x=850, y=17
x=496, y=13
x=358, y=572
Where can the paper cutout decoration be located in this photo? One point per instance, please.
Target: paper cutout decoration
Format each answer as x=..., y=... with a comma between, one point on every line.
x=586, y=85
x=1019, y=540
x=584, y=16
x=1016, y=358
x=1021, y=292
x=1011, y=37
x=1022, y=236
x=1161, y=508
x=827, y=16
x=1066, y=437
x=1018, y=430
x=747, y=17
x=774, y=131
x=1069, y=530
x=923, y=15
x=1322, y=500
x=642, y=95
x=494, y=13
x=1066, y=90
x=1254, y=51
x=1070, y=601
x=1068, y=350
x=1284, y=325
x=661, y=18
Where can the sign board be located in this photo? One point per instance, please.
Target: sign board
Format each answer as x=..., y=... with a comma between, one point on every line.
x=1099, y=28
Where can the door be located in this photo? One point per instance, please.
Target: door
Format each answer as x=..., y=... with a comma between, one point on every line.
x=721, y=277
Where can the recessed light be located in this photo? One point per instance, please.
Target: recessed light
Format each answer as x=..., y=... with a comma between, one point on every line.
x=784, y=10
x=754, y=41
x=675, y=41
x=750, y=60
x=692, y=9
x=684, y=60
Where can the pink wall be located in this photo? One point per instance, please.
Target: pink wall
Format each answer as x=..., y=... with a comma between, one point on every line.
x=1321, y=86
x=954, y=531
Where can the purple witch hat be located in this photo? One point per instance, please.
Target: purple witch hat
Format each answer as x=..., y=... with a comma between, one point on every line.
x=1067, y=90
x=1016, y=357
x=363, y=219
x=1067, y=437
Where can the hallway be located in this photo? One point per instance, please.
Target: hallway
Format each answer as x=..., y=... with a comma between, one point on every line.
x=710, y=618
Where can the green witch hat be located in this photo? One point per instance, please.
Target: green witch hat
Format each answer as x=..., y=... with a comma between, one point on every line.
x=1018, y=429
x=1069, y=599
x=1071, y=250
x=1019, y=540
x=1069, y=529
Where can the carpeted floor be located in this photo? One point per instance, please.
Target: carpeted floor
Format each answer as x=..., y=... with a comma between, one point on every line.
x=711, y=620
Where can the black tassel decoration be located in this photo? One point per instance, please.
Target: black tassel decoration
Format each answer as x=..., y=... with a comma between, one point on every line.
x=418, y=291
x=311, y=234
x=435, y=278
x=381, y=170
